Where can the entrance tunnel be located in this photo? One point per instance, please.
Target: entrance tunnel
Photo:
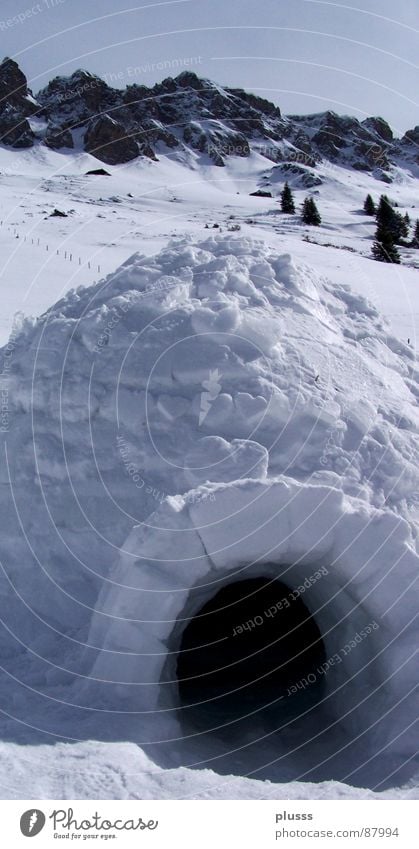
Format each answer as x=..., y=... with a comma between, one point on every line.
x=252, y=647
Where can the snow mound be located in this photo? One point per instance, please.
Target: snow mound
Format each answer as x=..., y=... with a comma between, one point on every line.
x=213, y=411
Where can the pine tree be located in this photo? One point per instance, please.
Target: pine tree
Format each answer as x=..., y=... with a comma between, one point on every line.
x=415, y=241
x=390, y=220
x=384, y=248
x=287, y=200
x=310, y=214
x=369, y=206
x=405, y=226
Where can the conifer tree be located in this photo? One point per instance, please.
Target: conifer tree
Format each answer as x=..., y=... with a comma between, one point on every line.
x=405, y=226
x=415, y=241
x=369, y=206
x=389, y=220
x=287, y=200
x=310, y=214
x=384, y=248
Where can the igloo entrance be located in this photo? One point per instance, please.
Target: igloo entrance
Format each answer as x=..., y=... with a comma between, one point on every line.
x=253, y=647
x=242, y=705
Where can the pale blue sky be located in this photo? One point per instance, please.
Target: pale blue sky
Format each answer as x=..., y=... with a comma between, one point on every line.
x=359, y=57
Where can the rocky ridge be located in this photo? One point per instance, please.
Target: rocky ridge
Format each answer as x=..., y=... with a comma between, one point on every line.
x=189, y=116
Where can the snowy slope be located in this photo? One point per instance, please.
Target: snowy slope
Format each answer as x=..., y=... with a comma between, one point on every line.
x=178, y=393
x=146, y=203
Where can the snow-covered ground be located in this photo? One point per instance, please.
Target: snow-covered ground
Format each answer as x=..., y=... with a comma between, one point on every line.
x=123, y=771
x=105, y=224
x=219, y=405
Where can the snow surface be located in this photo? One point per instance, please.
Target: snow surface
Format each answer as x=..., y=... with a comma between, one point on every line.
x=142, y=204
x=220, y=399
x=123, y=771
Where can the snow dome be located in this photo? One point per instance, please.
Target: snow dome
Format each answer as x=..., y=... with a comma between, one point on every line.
x=209, y=507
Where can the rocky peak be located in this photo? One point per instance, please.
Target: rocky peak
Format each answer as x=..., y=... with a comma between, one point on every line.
x=188, y=79
x=16, y=105
x=14, y=91
x=380, y=127
x=81, y=96
x=258, y=103
x=13, y=83
x=412, y=136
x=364, y=145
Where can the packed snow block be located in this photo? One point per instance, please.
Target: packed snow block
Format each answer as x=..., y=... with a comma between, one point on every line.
x=131, y=675
x=144, y=595
x=215, y=459
x=250, y=409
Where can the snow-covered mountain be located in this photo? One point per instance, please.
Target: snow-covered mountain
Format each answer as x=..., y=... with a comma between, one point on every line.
x=186, y=113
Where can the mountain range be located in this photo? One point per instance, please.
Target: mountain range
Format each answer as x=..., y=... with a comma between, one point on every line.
x=192, y=119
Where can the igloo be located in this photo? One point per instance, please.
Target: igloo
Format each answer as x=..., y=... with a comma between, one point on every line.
x=211, y=495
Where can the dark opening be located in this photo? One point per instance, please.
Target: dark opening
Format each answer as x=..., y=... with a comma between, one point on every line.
x=250, y=648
